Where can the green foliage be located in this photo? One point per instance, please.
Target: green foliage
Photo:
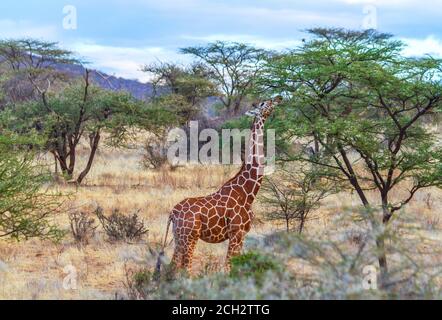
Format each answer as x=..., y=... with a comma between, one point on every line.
x=79, y=111
x=25, y=208
x=183, y=89
x=253, y=265
x=293, y=193
x=30, y=68
x=144, y=284
x=334, y=263
x=353, y=97
x=233, y=67
x=362, y=103
x=175, y=110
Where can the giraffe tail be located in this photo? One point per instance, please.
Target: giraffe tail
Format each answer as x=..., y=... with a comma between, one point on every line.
x=161, y=254
x=167, y=233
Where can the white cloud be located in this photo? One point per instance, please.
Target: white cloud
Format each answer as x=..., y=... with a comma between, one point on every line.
x=382, y=2
x=264, y=12
x=419, y=47
x=166, y=4
x=270, y=44
x=26, y=29
x=298, y=17
x=126, y=62
x=123, y=62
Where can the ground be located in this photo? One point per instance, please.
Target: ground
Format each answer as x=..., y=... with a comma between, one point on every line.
x=36, y=269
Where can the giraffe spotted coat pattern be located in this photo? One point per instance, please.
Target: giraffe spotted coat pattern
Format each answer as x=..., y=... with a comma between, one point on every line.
x=225, y=214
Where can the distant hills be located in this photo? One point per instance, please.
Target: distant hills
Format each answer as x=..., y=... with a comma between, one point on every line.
x=139, y=90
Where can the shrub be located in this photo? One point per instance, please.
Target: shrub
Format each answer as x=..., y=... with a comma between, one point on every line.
x=252, y=265
x=323, y=265
x=82, y=226
x=293, y=194
x=145, y=284
x=26, y=204
x=155, y=152
x=121, y=227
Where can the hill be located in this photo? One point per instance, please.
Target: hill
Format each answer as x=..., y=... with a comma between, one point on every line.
x=137, y=89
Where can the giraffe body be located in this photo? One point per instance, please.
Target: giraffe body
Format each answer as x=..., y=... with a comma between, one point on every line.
x=225, y=214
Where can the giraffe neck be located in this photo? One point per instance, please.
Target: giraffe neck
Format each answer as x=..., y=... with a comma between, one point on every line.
x=248, y=180
x=254, y=159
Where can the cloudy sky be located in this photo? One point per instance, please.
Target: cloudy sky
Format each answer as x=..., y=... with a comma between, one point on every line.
x=119, y=36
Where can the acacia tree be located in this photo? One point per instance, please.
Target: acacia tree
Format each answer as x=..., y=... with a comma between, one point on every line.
x=79, y=111
x=234, y=68
x=184, y=87
x=181, y=91
x=25, y=208
x=192, y=82
x=64, y=111
x=30, y=67
x=359, y=104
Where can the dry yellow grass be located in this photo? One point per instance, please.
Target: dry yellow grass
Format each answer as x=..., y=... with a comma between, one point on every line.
x=35, y=269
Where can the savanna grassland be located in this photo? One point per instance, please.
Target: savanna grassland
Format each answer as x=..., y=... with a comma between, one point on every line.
x=35, y=269
x=352, y=210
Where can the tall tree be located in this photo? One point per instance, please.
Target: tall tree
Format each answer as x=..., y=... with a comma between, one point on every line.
x=233, y=66
x=359, y=104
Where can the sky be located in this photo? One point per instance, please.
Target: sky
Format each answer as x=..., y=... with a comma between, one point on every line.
x=120, y=36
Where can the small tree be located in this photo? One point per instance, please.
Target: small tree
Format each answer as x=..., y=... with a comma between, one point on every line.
x=234, y=68
x=193, y=82
x=180, y=91
x=293, y=194
x=360, y=103
x=79, y=111
x=25, y=207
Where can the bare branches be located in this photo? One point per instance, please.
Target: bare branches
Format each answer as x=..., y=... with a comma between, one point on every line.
x=294, y=194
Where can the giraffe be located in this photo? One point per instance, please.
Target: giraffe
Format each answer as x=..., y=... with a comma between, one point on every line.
x=227, y=213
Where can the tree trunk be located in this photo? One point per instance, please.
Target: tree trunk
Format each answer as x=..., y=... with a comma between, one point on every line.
x=316, y=141
x=55, y=164
x=72, y=155
x=237, y=106
x=386, y=213
x=382, y=259
x=95, y=140
x=380, y=243
x=65, y=170
x=301, y=224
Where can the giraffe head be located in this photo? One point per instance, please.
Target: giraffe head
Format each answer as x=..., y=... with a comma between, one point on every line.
x=264, y=109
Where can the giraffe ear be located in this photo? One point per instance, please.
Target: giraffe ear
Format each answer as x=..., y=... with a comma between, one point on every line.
x=251, y=113
x=277, y=99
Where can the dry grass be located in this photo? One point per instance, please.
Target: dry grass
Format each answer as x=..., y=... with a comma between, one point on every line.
x=35, y=269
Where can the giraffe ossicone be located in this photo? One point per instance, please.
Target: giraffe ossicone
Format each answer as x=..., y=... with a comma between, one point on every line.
x=227, y=213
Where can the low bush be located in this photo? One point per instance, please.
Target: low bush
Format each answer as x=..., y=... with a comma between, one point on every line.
x=253, y=265
x=120, y=227
x=82, y=227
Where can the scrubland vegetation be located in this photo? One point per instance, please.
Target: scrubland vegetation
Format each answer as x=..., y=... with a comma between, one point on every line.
x=352, y=211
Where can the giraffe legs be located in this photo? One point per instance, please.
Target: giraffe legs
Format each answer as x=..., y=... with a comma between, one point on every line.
x=183, y=254
x=188, y=254
x=236, y=240
x=176, y=259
